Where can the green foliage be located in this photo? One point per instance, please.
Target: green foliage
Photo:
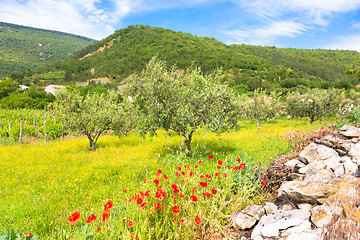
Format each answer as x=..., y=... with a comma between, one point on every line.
x=91, y=114
x=315, y=104
x=23, y=48
x=261, y=107
x=181, y=101
x=350, y=118
x=7, y=86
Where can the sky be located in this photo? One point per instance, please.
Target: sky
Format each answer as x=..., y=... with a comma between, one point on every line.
x=306, y=24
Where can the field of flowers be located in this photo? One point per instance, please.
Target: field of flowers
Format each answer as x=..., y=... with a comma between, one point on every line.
x=132, y=187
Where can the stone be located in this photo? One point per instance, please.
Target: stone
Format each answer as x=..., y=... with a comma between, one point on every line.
x=292, y=163
x=322, y=215
x=354, y=153
x=323, y=175
x=305, y=206
x=318, y=152
x=307, y=234
x=294, y=176
x=351, y=132
x=308, y=192
x=269, y=226
x=269, y=208
x=342, y=229
x=248, y=217
x=345, y=128
x=350, y=166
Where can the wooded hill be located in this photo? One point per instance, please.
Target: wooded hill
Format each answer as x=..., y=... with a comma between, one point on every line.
x=248, y=67
x=23, y=48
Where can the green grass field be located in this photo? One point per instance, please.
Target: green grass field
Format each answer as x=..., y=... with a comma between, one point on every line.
x=43, y=184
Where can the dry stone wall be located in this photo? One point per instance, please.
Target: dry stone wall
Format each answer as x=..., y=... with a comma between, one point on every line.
x=321, y=198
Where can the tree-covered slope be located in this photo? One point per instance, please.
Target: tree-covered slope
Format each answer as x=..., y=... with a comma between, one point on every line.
x=23, y=48
x=248, y=67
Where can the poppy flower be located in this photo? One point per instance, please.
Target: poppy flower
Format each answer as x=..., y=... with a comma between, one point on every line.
x=139, y=201
x=182, y=195
x=166, y=177
x=145, y=180
x=160, y=193
x=218, y=167
x=217, y=174
x=108, y=206
x=173, y=197
x=187, y=166
x=156, y=205
x=192, y=174
x=173, y=220
x=198, y=220
x=194, y=189
x=263, y=182
x=183, y=173
x=158, y=173
x=163, y=207
x=98, y=229
x=196, y=166
x=194, y=198
x=125, y=190
x=200, y=162
x=178, y=168
x=225, y=174
x=242, y=166
x=174, y=186
x=220, y=162
x=214, y=191
x=176, y=190
x=203, y=184
x=29, y=234
x=130, y=224
x=74, y=218
x=211, y=156
x=132, y=236
x=105, y=216
x=182, y=221
x=176, y=210
x=156, y=181
x=142, y=206
x=177, y=175
x=90, y=218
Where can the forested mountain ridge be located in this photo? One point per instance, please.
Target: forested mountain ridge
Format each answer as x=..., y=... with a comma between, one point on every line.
x=23, y=48
x=248, y=67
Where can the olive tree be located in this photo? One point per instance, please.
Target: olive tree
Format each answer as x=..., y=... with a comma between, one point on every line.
x=181, y=101
x=92, y=114
x=315, y=104
x=261, y=107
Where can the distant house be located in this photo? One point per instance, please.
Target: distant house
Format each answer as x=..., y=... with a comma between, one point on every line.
x=53, y=88
x=23, y=87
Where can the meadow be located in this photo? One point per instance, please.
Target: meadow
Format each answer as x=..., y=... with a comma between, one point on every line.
x=43, y=184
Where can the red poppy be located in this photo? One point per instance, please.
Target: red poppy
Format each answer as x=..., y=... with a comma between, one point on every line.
x=178, y=168
x=220, y=162
x=74, y=218
x=176, y=210
x=132, y=236
x=156, y=205
x=214, y=191
x=166, y=177
x=187, y=166
x=211, y=156
x=183, y=173
x=227, y=166
x=191, y=174
x=142, y=206
x=173, y=197
x=98, y=229
x=182, y=195
x=163, y=207
x=105, y=216
x=125, y=190
x=145, y=180
x=173, y=220
x=182, y=221
x=177, y=175
x=218, y=167
x=176, y=190
x=238, y=159
x=242, y=166
x=203, y=184
x=90, y=218
x=174, y=186
x=158, y=173
x=263, y=182
x=207, y=195
x=194, y=189
x=196, y=166
x=156, y=181
x=208, y=176
x=194, y=198
x=200, y=162
x=198, y=220
x=139, y=201
x=29, y=234
x=130, y=224
x=217, y=174
x=160, y=193
x=108, y=206
x=225, y=174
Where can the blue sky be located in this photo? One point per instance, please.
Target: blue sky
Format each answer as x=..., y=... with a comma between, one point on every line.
x=309, y=24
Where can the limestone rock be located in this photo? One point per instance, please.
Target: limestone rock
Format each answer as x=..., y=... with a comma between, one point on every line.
x=307, y=234
x=292, y=163
x=247, y=217
x=305, y=206
x=350, y=166
x=270, y=208
x=269, y=226
x=354, y=153
x=351, y=131
x=318, y=152
x=322, y=215
x=308, y=192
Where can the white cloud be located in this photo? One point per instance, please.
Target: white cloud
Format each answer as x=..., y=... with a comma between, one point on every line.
x=268, y=34
x=350, y=42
